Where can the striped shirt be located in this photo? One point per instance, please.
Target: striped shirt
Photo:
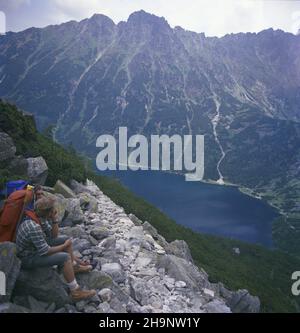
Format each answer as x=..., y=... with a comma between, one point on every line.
x=32, y=239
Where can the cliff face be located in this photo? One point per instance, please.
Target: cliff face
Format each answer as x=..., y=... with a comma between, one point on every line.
x=136, y=270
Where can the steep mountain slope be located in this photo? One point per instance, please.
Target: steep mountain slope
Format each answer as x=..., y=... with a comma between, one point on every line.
x=241, y=91
x=263, y=272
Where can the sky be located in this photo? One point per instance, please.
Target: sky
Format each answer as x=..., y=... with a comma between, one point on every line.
x=213, y=17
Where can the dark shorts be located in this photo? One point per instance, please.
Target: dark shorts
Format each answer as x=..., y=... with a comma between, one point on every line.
x=57, y=259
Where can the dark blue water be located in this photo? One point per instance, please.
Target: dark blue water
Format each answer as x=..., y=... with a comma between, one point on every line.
x=206, y=208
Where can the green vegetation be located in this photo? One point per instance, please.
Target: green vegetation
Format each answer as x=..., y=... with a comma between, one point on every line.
x=286, y=234
x=263, y=272
x=63, y=164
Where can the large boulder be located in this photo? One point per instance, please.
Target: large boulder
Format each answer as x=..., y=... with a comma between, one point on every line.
x=13, y=308
x=88, y=202
x=242, y=302
x=182, y=270
x=77, y=187
x=7, y=147
x=37, y=170
x=216, y=306
x=63, y=189
x=115, y=271
x=44, y=284
x=10, y=268
x=180, y=249
x=148, y=228
x=74, y=212
x=95, y=280
x=100, y=233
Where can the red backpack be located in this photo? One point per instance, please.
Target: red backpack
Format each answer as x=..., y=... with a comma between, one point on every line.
x=13, y=212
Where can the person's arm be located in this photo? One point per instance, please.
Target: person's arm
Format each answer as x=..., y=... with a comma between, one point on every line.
x=42, y=247
x=37, y=237
x=56, y=249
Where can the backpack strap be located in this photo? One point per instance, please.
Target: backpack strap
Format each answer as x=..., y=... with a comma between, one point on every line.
x=32, y=215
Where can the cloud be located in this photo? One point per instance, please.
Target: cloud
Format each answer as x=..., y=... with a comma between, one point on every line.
x=214, y=17
x=12, y=4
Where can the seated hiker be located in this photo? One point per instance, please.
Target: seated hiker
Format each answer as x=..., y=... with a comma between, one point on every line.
x=39, y=245
x=39, y=194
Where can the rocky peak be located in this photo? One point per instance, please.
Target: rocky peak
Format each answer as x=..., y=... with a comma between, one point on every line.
x=99, y=24
x=101, y=19
x=141, y=17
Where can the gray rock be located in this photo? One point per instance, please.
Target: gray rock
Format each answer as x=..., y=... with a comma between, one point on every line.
x=104, y=308
x=80, y=305
x=13, y=308
x=94, y=280
x=136, y=308
x=135, y=220
x=216, y=306
x=69, y=308
x=39, y=282
x=63, y=189
x=180, y=284
x=117, y=306
x=242, y=302
x=90, y=309
x=105, y=295
x=182, y=270
x=81, y=245
x=78, y=187
x=180, y=249
x=74, y=232
x=136, y=236
x=236, y=250
x=88, y=203
x=7, y=147
x=61, y=310
x=37, y=170
x=95, y=300
x=109, y=244
x=93, y=241
x=154, y=233
x=115, y=271
x=10, y=266
x=36, y=306
x=100, y=233
x=51, y=308
x=48, y=189
x=75, y=214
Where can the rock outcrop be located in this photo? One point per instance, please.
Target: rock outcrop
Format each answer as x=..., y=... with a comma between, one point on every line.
x=7, y=147
x=34, y=169
x=135, y=269
x=37, y=170
x=10, y=266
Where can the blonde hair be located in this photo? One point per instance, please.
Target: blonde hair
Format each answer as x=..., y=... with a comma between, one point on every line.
x=44, y=206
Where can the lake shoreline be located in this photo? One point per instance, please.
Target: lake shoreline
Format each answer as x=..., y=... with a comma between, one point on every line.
x=213, y=210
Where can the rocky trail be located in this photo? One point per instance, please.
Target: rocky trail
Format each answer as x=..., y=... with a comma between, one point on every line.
x=135, y=269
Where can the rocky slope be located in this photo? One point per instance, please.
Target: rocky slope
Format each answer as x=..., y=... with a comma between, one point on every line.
x=136, y=270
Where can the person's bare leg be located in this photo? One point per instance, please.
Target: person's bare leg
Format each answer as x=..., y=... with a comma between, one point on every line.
x=76, y=292
x=69, y=250
x=69, y=271
x=74, y=259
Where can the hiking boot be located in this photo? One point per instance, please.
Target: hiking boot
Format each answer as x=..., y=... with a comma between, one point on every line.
x=82, y=269
x=79, y=294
